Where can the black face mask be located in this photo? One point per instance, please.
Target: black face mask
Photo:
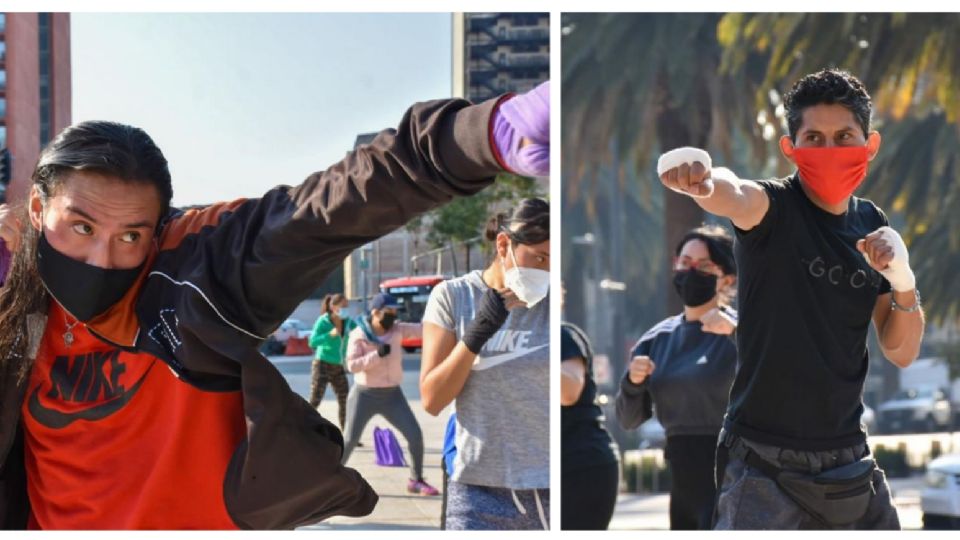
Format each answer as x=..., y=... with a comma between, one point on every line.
x=387, y=320
x=84, y=290
x=695, y=288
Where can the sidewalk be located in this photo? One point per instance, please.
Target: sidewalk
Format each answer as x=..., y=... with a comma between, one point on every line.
x=397, y=509
x=652, y=511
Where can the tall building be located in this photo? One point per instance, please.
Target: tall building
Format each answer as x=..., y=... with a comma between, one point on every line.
x=34, y=88
x=495, y=53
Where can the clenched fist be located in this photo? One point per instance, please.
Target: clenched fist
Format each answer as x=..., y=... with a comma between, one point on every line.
x=716, y=321
x=686, y=170
x=640, y=368
x=886, y=253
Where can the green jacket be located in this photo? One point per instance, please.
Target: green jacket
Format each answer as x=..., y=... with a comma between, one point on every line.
x=329, y=346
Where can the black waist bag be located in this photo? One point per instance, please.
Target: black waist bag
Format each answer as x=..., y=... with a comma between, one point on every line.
x=839, y=496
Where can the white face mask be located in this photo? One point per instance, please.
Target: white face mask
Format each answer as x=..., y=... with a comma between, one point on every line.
x=531, y=285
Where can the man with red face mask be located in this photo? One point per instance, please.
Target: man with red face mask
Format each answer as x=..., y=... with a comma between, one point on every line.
x=816, y=265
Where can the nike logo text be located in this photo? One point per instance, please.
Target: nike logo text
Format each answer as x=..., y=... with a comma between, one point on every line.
x=84, y=380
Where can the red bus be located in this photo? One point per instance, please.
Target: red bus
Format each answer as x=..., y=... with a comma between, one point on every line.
x=413, y=293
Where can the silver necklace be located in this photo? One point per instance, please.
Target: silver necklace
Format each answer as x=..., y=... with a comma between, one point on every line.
x=68, y=338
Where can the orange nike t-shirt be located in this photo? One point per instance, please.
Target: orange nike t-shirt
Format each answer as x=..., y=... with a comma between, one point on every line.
x=114, y=440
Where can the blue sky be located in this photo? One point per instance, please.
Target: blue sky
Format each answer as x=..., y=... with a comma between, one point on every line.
x=239, y=103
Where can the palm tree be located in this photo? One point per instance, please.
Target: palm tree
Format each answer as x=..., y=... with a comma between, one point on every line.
x=634, y=84
x=910, y=62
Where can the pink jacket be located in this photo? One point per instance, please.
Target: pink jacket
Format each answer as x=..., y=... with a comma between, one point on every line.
x=370, y=369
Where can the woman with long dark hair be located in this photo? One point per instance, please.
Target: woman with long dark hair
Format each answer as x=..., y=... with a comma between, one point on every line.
x=486, y=345
x=329, y=342
x=684, y=366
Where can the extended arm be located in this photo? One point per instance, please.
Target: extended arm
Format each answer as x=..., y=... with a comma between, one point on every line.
x=744, y=202
x=257, y=259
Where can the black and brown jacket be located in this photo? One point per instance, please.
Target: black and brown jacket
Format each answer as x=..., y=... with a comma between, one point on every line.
x=229, y=274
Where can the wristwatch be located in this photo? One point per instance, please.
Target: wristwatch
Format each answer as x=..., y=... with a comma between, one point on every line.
x=911, y=309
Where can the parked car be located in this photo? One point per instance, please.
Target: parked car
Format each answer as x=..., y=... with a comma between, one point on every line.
x=940, y=499
x=869, y=419
x=291, y=328
x=276, y=343
x=916, y=410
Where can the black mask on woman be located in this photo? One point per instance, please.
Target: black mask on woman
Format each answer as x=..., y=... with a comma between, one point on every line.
x=387, y=320
x=695, y=288
x=84, y=290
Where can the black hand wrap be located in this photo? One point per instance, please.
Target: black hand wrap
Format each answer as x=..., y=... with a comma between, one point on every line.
x=383, y=349
x=491, y=314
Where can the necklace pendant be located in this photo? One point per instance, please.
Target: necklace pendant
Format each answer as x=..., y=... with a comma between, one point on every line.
x=68, y=338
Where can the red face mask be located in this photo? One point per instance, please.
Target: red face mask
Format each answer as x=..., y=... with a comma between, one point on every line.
x=832, y=173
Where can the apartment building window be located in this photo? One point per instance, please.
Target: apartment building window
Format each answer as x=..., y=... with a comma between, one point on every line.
x=43, y=27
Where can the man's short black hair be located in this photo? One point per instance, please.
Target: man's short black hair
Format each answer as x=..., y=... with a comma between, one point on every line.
x=827, y=87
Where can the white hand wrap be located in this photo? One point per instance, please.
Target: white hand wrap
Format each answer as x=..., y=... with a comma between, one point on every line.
x=898, y=272
x=687, y=154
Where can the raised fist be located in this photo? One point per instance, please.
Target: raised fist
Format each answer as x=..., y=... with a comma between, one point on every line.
x=716, y=321
x=640, y=368
x=886, y=253
x=686, y=170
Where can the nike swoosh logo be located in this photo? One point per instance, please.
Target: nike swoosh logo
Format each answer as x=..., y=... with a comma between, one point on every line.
x=55, y=419
x=491, y=361
x=702, y=360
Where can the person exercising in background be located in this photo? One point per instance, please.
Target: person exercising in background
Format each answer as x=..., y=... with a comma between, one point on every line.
x=486, y=346
x=375, y=357
x=684, y=367
x=816, y=264
x=328, y=339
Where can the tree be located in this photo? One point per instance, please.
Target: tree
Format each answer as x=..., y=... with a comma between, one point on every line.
x=910, y=62
x=634, y=84
x=464, y=219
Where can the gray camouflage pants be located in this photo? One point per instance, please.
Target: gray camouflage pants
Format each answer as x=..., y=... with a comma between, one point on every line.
x=748, y=499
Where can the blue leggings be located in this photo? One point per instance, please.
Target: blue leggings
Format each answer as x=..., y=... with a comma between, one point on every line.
x=482, y=508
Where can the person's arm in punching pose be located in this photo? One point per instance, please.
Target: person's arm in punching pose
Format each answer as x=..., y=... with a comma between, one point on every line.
x=717, y=190
x=356, y=359
x=261, y=257
x=446, y=362
x=897, y=315
x=321, y=328
x=634, y=402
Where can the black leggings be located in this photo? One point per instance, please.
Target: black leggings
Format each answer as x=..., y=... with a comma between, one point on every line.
x=693, y=490
x=588, y=497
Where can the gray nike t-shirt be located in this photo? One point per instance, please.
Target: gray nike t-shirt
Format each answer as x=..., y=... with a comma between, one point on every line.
x=503, y=412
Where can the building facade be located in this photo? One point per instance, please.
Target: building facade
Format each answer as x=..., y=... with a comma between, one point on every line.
x=493, y=53
x=34, y=89
x=496, y=53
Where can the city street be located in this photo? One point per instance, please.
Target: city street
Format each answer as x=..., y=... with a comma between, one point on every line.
x=397, y=510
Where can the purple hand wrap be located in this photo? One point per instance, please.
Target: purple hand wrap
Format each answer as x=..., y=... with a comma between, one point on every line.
x=5, y=259
x=526, y=115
